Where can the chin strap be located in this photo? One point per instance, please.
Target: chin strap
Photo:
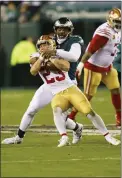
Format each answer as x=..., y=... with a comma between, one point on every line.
x=60, y=40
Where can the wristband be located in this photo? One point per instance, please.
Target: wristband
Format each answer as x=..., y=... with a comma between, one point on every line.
x=80, y=66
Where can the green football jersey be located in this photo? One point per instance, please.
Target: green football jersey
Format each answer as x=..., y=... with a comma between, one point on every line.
x=66, y=45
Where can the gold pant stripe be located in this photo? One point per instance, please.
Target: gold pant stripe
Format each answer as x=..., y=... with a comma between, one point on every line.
x=88, y=81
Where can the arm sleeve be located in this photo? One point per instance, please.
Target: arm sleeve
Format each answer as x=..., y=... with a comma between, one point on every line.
x=72, y=55
x=96, y=43
x=103, y=32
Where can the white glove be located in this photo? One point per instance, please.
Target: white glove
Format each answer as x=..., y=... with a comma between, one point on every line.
x=34, y=55
x=79, y=68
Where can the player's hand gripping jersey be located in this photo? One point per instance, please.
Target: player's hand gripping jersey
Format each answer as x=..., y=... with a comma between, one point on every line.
x=105, y=55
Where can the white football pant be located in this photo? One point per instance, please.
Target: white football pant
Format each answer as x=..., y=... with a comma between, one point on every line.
x=41, y=98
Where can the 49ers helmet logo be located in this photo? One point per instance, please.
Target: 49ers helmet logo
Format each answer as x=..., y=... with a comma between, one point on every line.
x=114, y=19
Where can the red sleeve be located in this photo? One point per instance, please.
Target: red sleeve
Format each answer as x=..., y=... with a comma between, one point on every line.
x=96, y=43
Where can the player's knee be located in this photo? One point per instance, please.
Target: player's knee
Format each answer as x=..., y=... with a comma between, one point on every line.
x=86, y=110
x=57, y=109
x=31, y=111
x=91, y=113
x=56, y=105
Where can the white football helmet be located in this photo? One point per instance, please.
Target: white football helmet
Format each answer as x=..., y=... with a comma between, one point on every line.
x=45, y=39
x=114, y=19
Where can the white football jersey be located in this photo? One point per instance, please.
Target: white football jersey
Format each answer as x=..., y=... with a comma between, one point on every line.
x=56, y=81
x=105, y=55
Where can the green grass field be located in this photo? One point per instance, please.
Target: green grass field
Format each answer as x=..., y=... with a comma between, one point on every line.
x=38, y=155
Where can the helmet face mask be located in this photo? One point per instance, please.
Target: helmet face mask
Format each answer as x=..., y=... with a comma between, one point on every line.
x=63, y=27
x=62, y=32
x=114, y=19
x=117, y=25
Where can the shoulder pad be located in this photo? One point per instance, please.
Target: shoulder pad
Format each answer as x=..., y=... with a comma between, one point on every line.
x=77, y=39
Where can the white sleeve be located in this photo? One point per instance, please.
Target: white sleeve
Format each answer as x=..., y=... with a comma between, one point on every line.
x=104, y=32
x=72, y=55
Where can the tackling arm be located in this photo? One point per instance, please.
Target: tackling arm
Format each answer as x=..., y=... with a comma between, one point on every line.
x=61, y=64
x=72, y=55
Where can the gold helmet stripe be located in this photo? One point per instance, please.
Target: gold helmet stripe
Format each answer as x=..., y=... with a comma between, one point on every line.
x=117, y=10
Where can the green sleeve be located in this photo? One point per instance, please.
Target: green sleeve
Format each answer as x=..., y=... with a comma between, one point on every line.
x=117, y=60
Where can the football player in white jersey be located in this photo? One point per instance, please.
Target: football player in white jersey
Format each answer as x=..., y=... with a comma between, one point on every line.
x=66, y=94
x=42, y=97
x=98, y=59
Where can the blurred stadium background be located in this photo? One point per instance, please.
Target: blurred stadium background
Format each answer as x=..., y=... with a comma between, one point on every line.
x=22, y=20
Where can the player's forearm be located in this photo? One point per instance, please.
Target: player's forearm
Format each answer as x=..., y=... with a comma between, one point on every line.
x=61, y=64
x=86, y=56
x=69, y=56
x=33, y=58
x=32, y=61
x=72, y=55
x=36, y=67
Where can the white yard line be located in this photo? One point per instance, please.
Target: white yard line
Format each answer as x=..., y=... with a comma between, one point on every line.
x=65, y=160
x=5, y=131
x=54, y=131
